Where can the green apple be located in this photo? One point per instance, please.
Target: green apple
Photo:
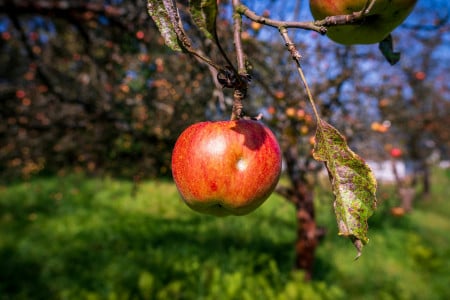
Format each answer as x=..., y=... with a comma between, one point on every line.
x=384, y=16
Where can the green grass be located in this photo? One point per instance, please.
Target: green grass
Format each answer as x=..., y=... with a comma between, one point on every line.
x=75, y=237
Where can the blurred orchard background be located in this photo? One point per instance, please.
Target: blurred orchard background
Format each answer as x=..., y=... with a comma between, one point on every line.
x=91, y=104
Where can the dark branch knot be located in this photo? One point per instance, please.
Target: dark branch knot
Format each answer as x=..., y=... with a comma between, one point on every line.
x=228, y=78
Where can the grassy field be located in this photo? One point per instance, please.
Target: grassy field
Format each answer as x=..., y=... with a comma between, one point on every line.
x=75, y=237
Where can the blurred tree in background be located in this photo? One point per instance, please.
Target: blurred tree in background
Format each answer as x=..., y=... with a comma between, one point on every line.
x=377, y=106
x=88, y=85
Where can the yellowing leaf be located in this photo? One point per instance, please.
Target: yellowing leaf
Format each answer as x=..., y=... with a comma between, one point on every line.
x=353, y=183
x=167, y=19
x=204, y=13
x=165, y=22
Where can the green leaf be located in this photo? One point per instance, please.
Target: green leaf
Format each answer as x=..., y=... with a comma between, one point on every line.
x=353, y=184
x=165, y=22
x=165, y=14
x=386, y=47
x=204, y=13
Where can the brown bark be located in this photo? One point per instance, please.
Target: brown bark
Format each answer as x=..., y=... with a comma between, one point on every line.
x=306, y=243
x=301, y=194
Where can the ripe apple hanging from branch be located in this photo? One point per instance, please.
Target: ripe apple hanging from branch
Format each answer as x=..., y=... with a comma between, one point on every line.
x=231, y=167
x=373, y=20
x=227, y=167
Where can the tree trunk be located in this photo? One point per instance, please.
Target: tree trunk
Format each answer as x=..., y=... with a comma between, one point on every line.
x=307, y=238
x=407, y=197
x=301, y=194
x=426, y=181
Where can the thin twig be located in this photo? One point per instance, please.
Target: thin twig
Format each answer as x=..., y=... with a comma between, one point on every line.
x=237, y=29
x=244, y=10
x=240, y=89
x=319, y=25
x=296, y=57
x=352, y=18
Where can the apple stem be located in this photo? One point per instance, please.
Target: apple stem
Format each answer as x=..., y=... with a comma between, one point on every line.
x=237, y=110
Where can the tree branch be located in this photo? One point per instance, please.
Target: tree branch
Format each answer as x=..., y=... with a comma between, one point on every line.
x=64, y=9
x=244, y=10
x=240, y=89
x=320, y=25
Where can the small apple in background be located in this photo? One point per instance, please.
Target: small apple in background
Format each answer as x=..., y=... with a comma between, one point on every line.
x=396, y=152
x=256, y=26
x=304, y=130
x=380, y=127
x=279, y=95
x=398, y=211
x=385, y=102
x=301, y=114
x=290, y=112
x=226, y=167
x=420, y=75
x=384, y=17
x=271, y=110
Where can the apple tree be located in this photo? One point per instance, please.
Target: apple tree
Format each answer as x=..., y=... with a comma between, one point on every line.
x=352, y=181
x=404, y=117
x=418, y=112
x=121, y=118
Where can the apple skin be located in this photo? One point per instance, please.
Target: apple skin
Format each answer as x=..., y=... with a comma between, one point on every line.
x=226, y=167
x=383, y=18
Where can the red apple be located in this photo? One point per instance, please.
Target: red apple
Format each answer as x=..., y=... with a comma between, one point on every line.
x=396, y=152
x=384, y=17
x=227, y=167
